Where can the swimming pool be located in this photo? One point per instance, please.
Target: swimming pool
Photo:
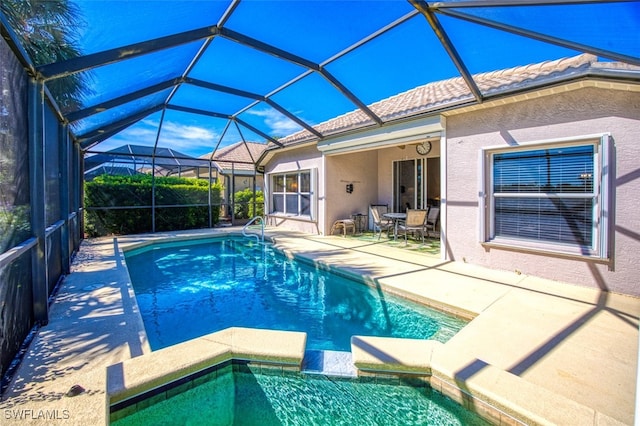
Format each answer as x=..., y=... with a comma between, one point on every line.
x=191, y=288
x=236, y=394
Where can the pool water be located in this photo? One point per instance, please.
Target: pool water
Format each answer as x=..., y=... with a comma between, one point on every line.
x=193, y=289
x=237, y=396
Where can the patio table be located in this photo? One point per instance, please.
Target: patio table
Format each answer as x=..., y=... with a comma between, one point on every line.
x=395, y=217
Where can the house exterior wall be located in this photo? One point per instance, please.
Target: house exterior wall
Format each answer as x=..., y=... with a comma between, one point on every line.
x=360, y=169
x=242, y=182
x=569, y=114
x=201, y=173
x=304, y=158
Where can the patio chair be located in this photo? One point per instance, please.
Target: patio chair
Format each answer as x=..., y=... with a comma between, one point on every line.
x=415, y=222
x=343, y=225
x=380, y=223
x=433, y=217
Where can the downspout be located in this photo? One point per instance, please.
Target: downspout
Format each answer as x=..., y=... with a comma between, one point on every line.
x=444, y=246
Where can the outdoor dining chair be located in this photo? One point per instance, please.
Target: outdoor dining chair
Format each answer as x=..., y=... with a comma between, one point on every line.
x=415, y=222
x=433, y=217
x=380, y=223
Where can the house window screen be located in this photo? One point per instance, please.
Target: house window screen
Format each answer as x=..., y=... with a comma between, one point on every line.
x=292, y=194
x=546, y=195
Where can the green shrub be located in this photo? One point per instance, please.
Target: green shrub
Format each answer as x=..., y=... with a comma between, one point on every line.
x=122, y=204
x=245, y=206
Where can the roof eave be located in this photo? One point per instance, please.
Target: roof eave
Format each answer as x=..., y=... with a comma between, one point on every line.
x=550, y=82
x=547, y=82
x=269, y=152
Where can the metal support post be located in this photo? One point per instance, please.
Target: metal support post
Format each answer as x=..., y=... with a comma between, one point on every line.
x=36, y=185
x=65, y=170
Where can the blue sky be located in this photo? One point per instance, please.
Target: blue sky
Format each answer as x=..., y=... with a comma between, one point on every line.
x=401, y=59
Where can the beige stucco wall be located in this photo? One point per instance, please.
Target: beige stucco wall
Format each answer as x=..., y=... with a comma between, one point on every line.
x=360, y=169
x=333, y=173
x=570, y=114
x=304, y=158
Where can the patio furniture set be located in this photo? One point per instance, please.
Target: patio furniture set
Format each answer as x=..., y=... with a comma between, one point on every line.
x=414, y=221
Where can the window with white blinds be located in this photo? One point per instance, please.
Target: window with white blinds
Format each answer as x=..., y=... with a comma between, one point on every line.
x=547, y=196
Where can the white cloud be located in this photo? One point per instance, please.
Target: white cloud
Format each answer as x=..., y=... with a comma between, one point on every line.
x=188, y=139
x=278, y=124
x=192, y=139
x=181, y=132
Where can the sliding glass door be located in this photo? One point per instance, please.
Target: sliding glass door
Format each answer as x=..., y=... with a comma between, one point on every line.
x=416, y=183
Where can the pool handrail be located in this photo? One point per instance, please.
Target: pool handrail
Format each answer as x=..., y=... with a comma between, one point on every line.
x=251, y=222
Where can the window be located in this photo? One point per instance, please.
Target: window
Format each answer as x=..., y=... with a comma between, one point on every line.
x=291, y=194
x=549, y=196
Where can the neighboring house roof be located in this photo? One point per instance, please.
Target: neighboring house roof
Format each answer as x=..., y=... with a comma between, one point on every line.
x=110, y=170
x=454, y=92
x=241, y=157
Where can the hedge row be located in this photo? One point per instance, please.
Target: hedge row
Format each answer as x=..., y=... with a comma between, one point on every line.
x=124, y=193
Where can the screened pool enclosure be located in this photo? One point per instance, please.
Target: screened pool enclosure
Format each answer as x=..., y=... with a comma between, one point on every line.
x=84, y=81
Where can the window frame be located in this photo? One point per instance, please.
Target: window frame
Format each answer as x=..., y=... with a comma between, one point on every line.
x=602, y=195
x=299, y=194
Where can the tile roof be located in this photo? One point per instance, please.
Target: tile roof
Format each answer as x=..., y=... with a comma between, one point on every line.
x=440, y=94
x=244, y=155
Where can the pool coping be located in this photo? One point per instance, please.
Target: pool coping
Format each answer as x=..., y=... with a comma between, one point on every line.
x=497, y=396
x=467, y=367
x=136, y=376
x=511, y=393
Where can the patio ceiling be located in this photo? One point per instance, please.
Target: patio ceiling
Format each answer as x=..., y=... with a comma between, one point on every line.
x=212, y=73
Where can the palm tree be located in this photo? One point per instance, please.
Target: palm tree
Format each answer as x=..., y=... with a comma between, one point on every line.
x=45, y=29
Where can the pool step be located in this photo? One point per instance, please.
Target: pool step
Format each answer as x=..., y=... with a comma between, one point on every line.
x=329, y=363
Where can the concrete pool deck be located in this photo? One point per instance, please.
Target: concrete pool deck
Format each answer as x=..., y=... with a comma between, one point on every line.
x=563, y=353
